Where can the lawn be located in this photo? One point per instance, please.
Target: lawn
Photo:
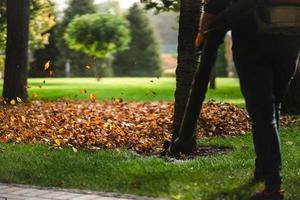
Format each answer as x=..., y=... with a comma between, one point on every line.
x=132, y=89
x=209, y=178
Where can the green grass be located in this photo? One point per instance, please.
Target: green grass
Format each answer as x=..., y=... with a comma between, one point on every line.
x=209, y=178
x=132, y=89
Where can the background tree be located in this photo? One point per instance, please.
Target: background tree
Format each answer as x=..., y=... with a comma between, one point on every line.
x=98, y=35
x=42, y=19
x=2, y=24
x=143, y=56
x=162, y=5
x=78, y=60
x=110, y=6
x=166, y=26
x=42, y=55
x=15, y=75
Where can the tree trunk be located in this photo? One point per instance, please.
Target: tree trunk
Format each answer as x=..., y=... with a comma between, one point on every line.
x=291, y=103
x=16, y=63
x=188, y=29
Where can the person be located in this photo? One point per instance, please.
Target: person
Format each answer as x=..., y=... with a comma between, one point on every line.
x=265, y=65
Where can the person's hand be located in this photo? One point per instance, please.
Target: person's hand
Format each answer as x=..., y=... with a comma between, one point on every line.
x=205, y=21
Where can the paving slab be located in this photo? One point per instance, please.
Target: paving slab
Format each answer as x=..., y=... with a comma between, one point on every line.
x=25, y=192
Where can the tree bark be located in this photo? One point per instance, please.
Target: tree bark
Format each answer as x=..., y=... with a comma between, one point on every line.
x=188, y=29
x=16, y=63
x=291, y=103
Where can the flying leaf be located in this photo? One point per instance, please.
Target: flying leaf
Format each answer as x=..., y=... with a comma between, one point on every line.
x=34, y=95
x=88, y=67
x=47, y=65
x=93, y=97
x=83, y=91
x=51, y=73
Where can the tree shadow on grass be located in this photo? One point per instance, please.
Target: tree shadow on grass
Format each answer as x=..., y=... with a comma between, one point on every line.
x=243, y=192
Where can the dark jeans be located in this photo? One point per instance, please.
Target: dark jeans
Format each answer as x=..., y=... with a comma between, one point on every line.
x=265, y=65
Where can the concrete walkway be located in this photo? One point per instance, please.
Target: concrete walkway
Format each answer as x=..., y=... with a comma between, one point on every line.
x=23, y=192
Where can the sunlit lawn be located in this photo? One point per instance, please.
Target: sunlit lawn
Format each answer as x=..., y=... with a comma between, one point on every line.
x=133, y=89
x=208, y=178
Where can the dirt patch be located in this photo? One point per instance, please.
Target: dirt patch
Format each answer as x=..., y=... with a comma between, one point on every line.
x=202, y=151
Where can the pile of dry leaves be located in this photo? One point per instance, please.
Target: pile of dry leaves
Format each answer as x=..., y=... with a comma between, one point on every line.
x=138, y=126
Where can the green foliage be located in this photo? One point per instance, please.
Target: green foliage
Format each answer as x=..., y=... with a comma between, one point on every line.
x=2, y=24
x=221, y=62
x=98, y=35
x=2, y=63
x=162, y=5
x=41, y=20
x=143, y=56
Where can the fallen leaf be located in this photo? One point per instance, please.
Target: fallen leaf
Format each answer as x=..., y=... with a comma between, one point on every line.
x=12, y=102
x=19, y=100
x=12, y=119
x=139, y=126
x=57, y=142
x=23, y=118
x=74, y=149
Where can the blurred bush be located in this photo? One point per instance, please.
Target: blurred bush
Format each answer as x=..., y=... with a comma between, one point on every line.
x=98, y=35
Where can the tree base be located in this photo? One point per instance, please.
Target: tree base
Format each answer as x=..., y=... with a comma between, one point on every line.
x=183, y=146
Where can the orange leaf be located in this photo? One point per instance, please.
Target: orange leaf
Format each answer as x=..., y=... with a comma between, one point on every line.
x=93, y=97
x=34, y=95
x=23, y=118
x=12, y=119
x=47, y=65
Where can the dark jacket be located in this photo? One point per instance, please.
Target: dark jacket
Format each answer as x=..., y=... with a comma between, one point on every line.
x=246, y=25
